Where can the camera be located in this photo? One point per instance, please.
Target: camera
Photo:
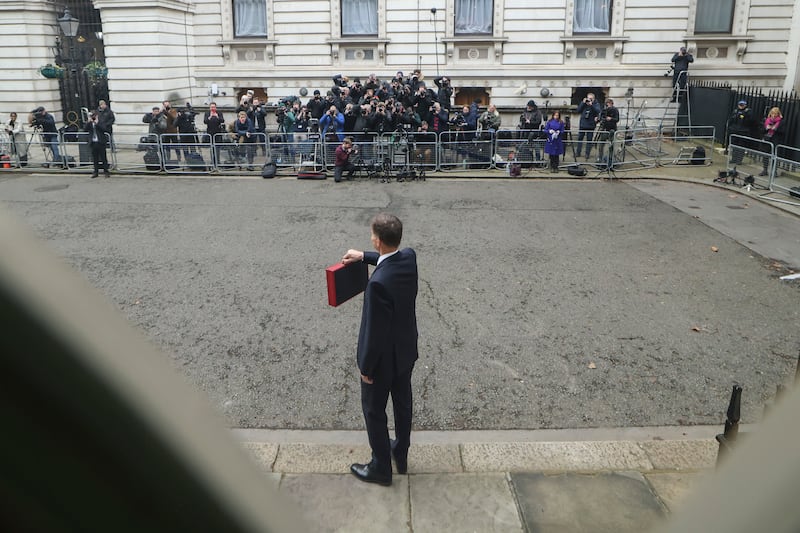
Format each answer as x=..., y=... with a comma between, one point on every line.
x=669, y=71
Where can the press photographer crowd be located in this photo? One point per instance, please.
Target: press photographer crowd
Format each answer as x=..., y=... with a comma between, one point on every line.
x=353, y=113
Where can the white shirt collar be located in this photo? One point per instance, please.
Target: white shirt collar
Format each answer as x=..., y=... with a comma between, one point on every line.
x=385, y=256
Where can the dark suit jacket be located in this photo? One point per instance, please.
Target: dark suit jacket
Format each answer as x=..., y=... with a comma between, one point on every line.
x=388, y=336
x=102, y=141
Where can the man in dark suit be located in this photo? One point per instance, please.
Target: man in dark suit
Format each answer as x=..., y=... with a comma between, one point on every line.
x=387, y=347
x=98, y=143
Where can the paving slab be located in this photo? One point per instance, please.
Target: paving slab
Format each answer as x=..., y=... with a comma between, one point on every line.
x=434, y=458
x=674, y=487
x=463, y=503
x=592, y=503
x=553, y=456
x=342, y=503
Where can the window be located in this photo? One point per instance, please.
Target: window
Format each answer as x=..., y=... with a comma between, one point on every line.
x=359, y=17
x=249, y=18
x=474, y=16
x=592, y=16
x=714, y=16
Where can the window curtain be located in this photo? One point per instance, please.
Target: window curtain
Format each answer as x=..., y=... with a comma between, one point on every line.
x=714, y=16
x=592, y=16
x=359, y=17
x=250, y=18
x=474, y=16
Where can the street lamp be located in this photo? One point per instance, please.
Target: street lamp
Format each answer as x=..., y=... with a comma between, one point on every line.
x=73, y=85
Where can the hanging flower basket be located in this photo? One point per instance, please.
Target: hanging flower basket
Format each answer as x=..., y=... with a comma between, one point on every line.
x=96, y=69
x=51, y=71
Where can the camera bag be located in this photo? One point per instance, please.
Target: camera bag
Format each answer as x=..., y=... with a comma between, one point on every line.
x=576, y=170
x=698, y=156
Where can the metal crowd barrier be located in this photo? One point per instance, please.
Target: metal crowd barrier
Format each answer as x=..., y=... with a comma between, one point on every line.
x=784, y=173
x=751, y=157
x=466, y=150
x=230, y=152
x=682, y=149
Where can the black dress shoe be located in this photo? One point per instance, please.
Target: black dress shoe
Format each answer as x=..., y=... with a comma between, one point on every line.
x=400, y=462
x=369, y=474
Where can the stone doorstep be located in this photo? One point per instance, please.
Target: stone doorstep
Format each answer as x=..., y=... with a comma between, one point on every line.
x=482, y=457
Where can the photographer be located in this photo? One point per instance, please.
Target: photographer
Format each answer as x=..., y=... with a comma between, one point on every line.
x=170, y=134
x=259, y=117
x=40, y=118
x=530, y=127
x=98, y=143
x=156, y=123
x=332, y=123
x=351, y=113
x=106, y=119
x=184, y=121
x=342, y=162
x=589, y=110
x=423, y=100
x=440, y=119
x=607, y=121
x=445, y=93
x=680, y=64
x=381, y=120
x=490, y=120
x=215, y=123
x=317, y=106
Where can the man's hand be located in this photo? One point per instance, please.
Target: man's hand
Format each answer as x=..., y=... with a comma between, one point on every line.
x=367, y=379
x=352, y=256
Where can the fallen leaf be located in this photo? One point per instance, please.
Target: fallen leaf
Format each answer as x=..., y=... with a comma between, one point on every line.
x=714, y=249
x=592, y=365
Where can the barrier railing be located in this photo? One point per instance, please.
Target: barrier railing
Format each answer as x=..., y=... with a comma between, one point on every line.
x=466, y=150
x=751, y=157
x=784, y=173
x=398, y=152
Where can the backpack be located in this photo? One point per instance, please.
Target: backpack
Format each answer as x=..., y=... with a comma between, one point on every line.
x=576, y=170
x=269, y=169
x=698, y=156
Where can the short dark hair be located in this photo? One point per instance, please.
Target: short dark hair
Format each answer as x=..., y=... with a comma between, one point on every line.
x=387, y=228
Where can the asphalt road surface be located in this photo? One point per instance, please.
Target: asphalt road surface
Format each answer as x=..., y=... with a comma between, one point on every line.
x=541, y=304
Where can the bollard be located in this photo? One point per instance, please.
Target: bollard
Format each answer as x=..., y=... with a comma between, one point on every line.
x=728, y=437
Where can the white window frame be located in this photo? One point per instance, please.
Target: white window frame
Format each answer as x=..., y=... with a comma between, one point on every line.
x=473, y=34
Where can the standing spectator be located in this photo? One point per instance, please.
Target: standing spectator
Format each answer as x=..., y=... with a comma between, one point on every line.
x=106, y=119
x=589, y=110
x=244, y=134
x=215, y=123
x=607, y=121
x=741, y=122
x=170, y=133
x=773, y=132
x=471, y=115
x=680, y=71
x=98, y=143
x=40, y=118
x=19, y=145
x=554, y=144
x=342, y=161
x=422, y=101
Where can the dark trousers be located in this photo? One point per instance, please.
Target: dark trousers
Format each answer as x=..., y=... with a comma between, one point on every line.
x=338, y=170
x=373, y=404
x=589, y=135
x=99, y=157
